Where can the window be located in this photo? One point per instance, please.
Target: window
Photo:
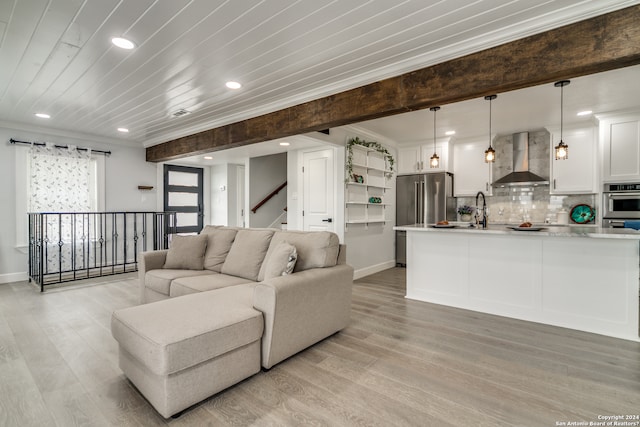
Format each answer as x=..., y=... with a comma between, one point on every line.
x=61, y=180
x=55, y=180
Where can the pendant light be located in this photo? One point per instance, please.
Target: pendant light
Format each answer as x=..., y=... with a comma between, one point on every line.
x=490, y=153
x=434, y=161
x=562, y=149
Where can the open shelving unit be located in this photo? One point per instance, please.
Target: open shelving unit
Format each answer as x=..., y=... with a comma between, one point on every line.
x=370, y=164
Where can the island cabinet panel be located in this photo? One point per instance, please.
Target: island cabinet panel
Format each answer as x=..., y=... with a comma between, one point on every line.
x=504, y=272
x=588, y=284
x=439, y=274
x=572, y=293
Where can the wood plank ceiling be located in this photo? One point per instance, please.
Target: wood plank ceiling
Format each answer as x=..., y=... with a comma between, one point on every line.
x=56, y=55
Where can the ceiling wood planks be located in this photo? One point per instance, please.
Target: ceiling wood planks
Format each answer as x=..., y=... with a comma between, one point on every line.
x=598, y=44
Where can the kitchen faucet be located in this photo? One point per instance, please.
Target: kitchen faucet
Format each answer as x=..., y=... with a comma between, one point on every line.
x=484, y=210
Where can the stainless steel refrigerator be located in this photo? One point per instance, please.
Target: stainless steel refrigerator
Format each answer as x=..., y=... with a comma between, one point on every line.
x=422, y=199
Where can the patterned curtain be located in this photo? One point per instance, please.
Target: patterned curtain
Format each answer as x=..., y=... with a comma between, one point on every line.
x=59, y=181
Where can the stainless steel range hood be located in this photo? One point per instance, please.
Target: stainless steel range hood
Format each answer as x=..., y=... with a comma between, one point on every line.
x=521, y=174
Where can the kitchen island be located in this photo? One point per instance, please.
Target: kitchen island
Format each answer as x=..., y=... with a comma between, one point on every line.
x=584, y=278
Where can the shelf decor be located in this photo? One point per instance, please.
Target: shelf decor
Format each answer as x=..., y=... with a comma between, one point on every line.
x=367, y=144
x=369, y=167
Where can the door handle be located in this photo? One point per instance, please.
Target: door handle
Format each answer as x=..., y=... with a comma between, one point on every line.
x=416, y=195
x=328, y=220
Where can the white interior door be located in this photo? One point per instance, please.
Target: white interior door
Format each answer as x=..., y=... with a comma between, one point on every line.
x=240, y=196
x=318, y=198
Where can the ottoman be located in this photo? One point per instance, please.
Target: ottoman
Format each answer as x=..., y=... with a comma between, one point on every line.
x=180, y=351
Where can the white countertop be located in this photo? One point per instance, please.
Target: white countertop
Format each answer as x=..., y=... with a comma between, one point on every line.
x=547, y=230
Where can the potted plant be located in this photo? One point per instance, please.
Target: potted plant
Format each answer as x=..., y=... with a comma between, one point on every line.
x=465, y=212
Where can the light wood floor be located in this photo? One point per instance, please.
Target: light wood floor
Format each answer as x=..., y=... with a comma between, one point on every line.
x=400, y=362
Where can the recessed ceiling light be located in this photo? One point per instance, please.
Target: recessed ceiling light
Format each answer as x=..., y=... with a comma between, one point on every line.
x=233, y=85
x=43, y=115
x=124, y=130
x=123, y=43
x=208, y=157
x=585, y=113
x=450, y=132
x=285, y=144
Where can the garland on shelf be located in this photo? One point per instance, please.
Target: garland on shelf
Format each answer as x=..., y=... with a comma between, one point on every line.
x=373, y=145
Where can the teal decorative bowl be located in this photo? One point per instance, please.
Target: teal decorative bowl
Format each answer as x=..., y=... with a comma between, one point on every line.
x=582, y=214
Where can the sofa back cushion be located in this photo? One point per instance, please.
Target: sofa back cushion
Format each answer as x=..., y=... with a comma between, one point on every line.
x=219, y=243
x=314, y=248
x=186, y=253
x=247, y=253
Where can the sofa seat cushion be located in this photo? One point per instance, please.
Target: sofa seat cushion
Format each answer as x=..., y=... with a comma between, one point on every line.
x=190, y=285
x=247, y=253
x=175, y=334
x=315, y=249
x=219, y=242
x=160, y=280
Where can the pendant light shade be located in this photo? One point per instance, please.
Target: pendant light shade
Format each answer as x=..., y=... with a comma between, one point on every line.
x=562, y=149
x=490, y=153
x=434, y=161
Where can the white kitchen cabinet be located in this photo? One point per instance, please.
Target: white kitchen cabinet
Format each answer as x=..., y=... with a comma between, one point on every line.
x=621, y=148
x=470, y=172
x=409, y=160
x=415, y=159
x=576, y=174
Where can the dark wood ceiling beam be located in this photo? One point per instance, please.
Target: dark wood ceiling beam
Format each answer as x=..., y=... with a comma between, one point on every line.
x=598, y=44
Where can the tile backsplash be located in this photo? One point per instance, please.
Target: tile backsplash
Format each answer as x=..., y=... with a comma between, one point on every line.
x=513, y=205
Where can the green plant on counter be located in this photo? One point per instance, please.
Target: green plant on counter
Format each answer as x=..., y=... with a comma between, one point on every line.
x=465, y=210
x=373, y=145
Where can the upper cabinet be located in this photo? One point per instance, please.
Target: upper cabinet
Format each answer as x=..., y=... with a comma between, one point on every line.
x=415, y=159
x=470, y=172
x=576, y=174
x=621, y=148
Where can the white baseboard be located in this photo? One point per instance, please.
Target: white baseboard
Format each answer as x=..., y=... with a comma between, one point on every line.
x=14, y=277
x=362, y=272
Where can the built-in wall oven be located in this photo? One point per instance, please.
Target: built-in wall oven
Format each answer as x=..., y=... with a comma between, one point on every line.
x=620, y=202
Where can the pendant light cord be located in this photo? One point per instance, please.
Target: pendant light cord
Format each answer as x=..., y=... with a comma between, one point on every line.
x=561, y=84
x=434, y=130
x=561, y=110
x=490, y=102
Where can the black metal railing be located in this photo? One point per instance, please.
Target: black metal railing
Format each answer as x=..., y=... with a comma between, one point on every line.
x=67, y=246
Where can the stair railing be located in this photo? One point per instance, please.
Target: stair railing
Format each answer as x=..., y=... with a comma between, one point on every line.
x=266, y=199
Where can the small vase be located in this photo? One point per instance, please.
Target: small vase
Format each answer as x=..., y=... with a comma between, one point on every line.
x=465, y=217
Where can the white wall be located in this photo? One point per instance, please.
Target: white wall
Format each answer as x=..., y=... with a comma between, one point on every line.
x=125, y=169
x=232, y=194
x=370, y=248
x=219, y=195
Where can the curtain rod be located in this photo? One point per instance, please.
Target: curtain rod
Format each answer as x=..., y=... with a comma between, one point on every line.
x=42, y=144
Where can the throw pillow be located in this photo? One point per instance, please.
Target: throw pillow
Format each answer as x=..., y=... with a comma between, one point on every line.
x=186, y=253
x=247, y=253
x=218, y=245
x=280, y=261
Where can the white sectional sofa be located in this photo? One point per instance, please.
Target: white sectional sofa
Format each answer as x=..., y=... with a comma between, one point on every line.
x=218, y=306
